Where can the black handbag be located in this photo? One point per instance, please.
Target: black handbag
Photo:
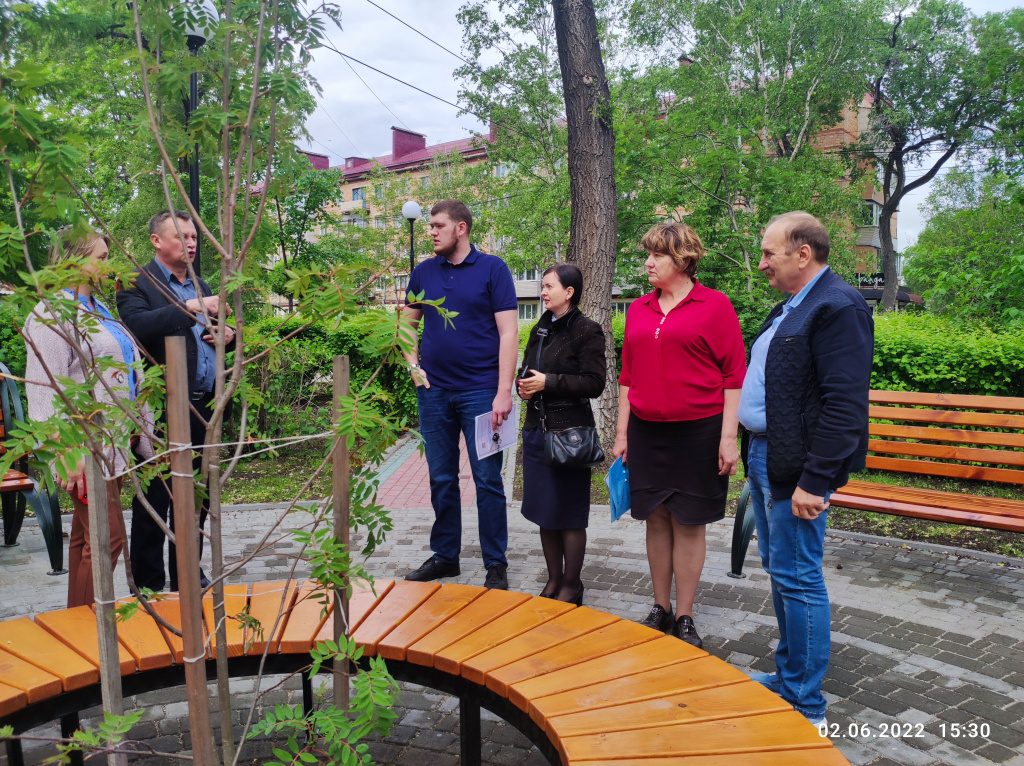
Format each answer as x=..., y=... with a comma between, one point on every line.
x=568, y=447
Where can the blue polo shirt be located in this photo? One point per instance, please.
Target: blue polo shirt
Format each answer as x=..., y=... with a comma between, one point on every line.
x=462, y=354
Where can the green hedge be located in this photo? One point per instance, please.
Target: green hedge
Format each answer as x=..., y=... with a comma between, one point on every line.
x=12, y=347
x=921, y=352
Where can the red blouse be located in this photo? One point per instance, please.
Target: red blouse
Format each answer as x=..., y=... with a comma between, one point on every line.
x=678, y=366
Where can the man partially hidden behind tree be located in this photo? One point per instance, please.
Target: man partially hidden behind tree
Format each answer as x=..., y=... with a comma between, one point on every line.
x=464, y=367
x=804, y=407
x=164, y=301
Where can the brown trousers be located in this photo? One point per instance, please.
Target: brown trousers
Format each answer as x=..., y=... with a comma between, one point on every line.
x=80, y=586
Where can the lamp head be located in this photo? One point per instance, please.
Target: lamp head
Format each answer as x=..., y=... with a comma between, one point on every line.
x=411, y=211
x=198, y=19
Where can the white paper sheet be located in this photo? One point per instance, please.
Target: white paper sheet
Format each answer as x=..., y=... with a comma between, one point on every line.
x=489, y=441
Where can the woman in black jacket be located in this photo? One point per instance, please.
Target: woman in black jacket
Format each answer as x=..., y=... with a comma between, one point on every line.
x=569, y=372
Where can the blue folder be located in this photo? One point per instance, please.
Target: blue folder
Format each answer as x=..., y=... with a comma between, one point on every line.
x=617, y=480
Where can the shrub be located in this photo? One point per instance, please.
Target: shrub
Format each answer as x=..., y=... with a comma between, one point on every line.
x=12, y=346
x=921, y=352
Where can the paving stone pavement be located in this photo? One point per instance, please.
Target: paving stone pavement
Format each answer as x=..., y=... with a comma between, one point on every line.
x=925, y=642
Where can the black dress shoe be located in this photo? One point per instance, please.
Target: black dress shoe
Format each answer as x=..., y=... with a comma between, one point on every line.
x=659, y=619
x=578, y=598
x=497, y=577
x=432, y=569
x=686, y=631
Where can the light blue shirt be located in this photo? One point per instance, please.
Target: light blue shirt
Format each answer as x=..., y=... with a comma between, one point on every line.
x=206, y=360
x=752, y=408
x=114, y=328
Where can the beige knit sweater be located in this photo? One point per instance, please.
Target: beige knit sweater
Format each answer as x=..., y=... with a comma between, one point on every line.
x=62, y=360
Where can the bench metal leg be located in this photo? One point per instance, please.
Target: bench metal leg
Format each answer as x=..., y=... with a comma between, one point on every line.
x=307, y=694
x=69, y=724
x=14, y=515
x=742, y=531
x=47, y=511
x=469, y=731
x=14, y=755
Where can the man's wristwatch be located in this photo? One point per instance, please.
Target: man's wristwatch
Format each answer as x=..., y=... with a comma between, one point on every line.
x=415, y=366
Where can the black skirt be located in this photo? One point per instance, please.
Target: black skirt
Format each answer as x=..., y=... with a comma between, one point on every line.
x=553, y=498
x=675, y=464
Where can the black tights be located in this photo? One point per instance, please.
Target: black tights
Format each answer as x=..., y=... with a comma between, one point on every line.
x=563, y=552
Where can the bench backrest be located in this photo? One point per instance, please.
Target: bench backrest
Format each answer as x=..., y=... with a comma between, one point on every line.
x=963, y=437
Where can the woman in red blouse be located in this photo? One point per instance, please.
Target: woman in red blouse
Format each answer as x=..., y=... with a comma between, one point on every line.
x=683, y=362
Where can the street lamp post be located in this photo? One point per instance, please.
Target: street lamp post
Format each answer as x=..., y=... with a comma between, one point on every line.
x=200, y=21
x=412, y=211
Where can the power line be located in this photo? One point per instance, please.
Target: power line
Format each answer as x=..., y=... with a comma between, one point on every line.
x=425, y=37
x=331, y=46
x=340, y=130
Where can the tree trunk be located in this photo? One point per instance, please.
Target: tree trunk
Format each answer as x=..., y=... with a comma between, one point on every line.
x=592, y=225
x=890, y=272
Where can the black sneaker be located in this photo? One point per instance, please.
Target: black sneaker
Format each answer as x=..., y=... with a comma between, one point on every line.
x=686, y=631
x=432, y=569
x=659, y=619
x=496, y=578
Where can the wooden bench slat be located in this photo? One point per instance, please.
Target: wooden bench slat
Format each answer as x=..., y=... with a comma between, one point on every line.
x=364, y=598
x=999, y=506
x=489, y=607
x=235, y=599
x=702, y=673
x=733, y=701
x=573, y=624
x=37, y=683
x=169, y=608
x=946, y=416
x=814, y=757
x=956, y=435
x=441, y=606
x=76, y=628
x=962, y=401
x=145, y=640
x=947, y=452
x=23, y=638
x=15, y=481
x=524, y=617
x=967, y=518
x=401, y=601
x=11, y=699
x=659, y=653
x=614, y=637
x=952, y=470
x=305, y=620
x=757, y=733
x=267, y=601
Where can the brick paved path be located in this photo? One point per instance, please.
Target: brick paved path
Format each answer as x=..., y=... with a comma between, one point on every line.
x=931, y=637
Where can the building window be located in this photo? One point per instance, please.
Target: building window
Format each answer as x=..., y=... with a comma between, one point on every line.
x=378, y=191
x=359, y=193
x=528, y=275
x=380, y=222
x=402, y=281
x=869, y=213
x=527, y=311
x=323, y=230
x=341, y=196
x=620, y=307
x=424, y=182
x=501, y=170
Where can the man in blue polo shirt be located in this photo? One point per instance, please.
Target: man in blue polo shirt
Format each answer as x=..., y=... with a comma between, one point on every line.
x=464, y=367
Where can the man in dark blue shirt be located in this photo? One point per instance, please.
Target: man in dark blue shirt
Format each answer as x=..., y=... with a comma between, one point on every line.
x=465, y=367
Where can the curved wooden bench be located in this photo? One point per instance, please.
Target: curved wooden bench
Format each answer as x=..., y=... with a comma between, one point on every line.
x=585, y=686
x=952, y=435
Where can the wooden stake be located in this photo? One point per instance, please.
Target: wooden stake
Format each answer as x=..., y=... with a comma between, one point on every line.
x=186, y=533
x=340, y=492
x=103, y=587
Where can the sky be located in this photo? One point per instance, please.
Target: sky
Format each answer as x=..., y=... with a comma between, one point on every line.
x=358, y=106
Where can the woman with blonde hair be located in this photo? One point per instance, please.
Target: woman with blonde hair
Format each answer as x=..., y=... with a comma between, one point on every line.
x=683, y=363
x=82, y=349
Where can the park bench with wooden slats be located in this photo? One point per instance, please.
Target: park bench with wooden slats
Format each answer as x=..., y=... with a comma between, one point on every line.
x=18, y=489
x=979, y=438
x=585, y=686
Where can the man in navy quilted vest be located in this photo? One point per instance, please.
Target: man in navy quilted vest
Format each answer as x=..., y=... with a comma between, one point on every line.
x=804, y=408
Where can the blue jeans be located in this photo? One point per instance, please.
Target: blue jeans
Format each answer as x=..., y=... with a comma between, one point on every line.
x=443, y=414
x=791, y=551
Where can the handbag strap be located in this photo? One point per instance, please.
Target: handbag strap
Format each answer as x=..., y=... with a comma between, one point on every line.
x=542, y=333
